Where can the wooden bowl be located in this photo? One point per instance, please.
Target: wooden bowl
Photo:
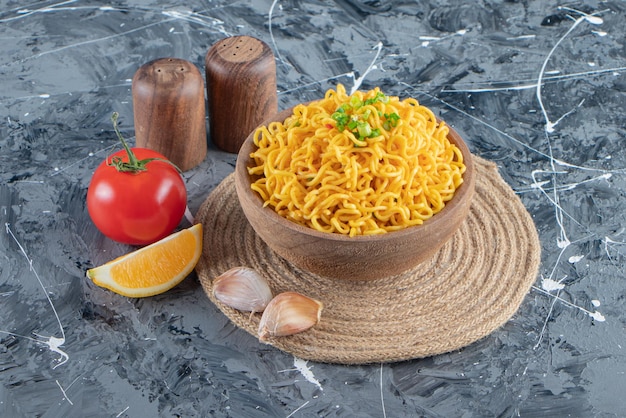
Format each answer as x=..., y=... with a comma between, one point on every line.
x=352, y=258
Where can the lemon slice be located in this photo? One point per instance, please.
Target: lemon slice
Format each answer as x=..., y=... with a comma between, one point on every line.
x=153, y=269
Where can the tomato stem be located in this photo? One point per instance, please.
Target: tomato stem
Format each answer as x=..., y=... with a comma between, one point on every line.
x=133, y=165
x=132, y=159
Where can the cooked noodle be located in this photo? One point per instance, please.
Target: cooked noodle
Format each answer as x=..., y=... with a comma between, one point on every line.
x=357, y=165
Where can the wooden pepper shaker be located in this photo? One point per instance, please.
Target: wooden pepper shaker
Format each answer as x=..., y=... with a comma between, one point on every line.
x=241, y=89
x=169, y=109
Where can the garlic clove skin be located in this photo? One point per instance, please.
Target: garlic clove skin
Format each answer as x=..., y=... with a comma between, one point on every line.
x=289, y=313
x=242, y=288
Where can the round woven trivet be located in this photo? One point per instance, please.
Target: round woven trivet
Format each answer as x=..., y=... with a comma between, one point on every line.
x=472, y=286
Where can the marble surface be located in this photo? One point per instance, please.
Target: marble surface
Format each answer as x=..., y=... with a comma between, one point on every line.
x=537, y=87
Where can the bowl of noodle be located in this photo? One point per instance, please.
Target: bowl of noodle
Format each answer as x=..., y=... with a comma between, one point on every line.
x=356, y=187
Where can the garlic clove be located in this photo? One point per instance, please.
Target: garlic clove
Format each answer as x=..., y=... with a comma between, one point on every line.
x=242, y=288
x=289, y=313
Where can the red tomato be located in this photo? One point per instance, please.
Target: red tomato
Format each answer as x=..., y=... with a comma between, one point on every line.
x=137, y=208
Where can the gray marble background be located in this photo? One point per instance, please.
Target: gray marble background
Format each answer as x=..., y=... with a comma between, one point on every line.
x=537, y=87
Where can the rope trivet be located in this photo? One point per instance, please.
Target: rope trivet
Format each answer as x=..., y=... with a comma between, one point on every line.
x=472, y=286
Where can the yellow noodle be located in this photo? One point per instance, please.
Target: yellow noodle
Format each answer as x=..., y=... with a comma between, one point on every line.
x=397, y=169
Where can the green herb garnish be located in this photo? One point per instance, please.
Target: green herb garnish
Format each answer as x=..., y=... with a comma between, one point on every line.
x=347, y=117
x=392, y=121
x=341, y=118
x=380, y=97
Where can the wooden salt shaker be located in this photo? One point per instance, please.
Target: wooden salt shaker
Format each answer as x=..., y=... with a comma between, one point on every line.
x=241, y=89
x=169, y=109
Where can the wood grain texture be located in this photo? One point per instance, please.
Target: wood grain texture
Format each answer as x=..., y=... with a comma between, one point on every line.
x=241, y=89
x=360, y=257
x=169, y=110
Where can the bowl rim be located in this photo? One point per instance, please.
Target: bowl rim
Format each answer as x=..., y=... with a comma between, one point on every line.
x=463, y=192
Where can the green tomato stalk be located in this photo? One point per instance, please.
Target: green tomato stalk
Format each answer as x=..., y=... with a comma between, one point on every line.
x=133, y=165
